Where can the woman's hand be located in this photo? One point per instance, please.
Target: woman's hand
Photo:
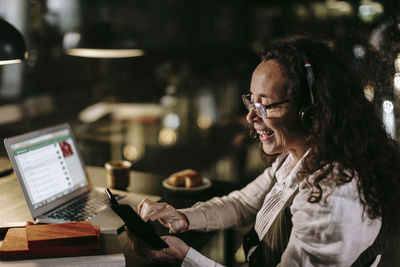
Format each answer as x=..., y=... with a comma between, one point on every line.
x=166, y=214
x=175, y=253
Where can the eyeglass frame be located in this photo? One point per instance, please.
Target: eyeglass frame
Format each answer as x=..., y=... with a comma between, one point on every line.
x=260, y=109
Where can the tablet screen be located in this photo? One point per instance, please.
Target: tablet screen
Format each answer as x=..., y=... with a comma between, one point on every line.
x=137, y=226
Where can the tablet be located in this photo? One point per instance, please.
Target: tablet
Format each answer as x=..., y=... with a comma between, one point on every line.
x=135, y=223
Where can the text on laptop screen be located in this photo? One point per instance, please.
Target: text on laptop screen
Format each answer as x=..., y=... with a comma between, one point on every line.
x=50, y=167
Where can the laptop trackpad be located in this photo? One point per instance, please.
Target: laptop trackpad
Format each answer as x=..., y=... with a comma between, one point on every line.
x=107, y=219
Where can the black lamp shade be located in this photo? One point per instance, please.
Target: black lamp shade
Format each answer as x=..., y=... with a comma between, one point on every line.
x=12, y=44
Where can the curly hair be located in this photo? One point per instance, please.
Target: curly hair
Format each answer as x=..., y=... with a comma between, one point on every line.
x=346, y=129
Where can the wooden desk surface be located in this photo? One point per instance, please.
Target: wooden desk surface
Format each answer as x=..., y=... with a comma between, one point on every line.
x=13, y=207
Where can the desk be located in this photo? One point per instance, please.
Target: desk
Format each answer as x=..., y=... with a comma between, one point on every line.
x=12, y=202
x=13, y=206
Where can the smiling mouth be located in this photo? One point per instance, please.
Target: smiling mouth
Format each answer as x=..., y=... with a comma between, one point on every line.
x=266, y=135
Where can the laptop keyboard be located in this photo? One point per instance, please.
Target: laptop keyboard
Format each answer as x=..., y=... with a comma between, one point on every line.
x=82, y=209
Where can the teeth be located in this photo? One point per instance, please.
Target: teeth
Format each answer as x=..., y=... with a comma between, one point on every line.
x=269, y=132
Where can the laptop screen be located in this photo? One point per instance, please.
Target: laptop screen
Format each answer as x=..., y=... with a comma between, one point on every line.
x=49, y=166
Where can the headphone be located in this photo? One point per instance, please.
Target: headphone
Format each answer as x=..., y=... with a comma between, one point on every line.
x=306, y=112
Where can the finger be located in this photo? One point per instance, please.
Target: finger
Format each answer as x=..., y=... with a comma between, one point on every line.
x=139, y=207
x=151, y=213
x=164, y=238
x=148, y=209
x=176, y=225
x=166, y=212
x=156, y=255
x=144, y=201
x=157, y=213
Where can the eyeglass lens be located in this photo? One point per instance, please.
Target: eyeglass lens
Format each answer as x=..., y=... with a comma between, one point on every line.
x=260, y=109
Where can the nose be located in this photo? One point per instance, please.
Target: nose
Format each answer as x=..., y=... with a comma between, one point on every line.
x=251, y=116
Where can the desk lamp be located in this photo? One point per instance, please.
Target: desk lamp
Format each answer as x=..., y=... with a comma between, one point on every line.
x=12, y=45
x=12, y=50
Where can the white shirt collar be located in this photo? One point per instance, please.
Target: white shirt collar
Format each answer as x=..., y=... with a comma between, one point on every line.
x=287, y=173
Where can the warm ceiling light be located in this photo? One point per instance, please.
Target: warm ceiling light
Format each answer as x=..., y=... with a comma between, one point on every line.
x=104, y=53
x=6, y=62
x=100, y=41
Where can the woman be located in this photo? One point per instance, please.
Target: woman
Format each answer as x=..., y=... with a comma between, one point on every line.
x=332, y=186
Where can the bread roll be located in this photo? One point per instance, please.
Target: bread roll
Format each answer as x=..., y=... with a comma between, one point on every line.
x=186, y=178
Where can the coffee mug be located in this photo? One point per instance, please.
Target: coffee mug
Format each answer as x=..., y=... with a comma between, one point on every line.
x=118, y=174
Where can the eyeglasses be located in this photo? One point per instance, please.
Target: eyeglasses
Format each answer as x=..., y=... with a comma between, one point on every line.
x=260, y=109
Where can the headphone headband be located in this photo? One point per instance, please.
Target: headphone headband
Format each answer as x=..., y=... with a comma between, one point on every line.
x=306, y=114
x=309, y=71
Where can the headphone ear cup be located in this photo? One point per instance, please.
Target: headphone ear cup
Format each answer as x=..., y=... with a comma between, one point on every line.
x=306, y=116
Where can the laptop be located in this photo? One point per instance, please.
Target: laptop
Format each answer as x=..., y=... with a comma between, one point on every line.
x=52, y=176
